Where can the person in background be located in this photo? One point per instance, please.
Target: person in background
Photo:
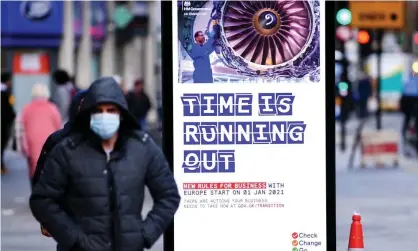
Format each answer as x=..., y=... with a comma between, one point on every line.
x=365, y=91
x=7, y=114
x=54, y=139
x=409, y=100
x=57, y=136
x=409, y=108
x=75, y=89
x=74, y=92
x=39, y=119
x=121, y=83
x=91, y=192
x=415, y=127
x=139, y=103
x=64, y=93
x=346, y=107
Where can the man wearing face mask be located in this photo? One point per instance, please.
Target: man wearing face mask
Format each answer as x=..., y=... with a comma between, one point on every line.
x=91, y=191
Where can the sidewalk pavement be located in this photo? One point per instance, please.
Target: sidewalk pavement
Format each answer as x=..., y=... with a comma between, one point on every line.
x=386, y=198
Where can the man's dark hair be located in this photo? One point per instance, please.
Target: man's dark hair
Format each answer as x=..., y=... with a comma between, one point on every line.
x=197, y=33
x=72, y=79
x=61, y=76
x=5, y=77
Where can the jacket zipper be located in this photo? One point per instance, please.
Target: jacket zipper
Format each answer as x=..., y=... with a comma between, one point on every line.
x=112, y=202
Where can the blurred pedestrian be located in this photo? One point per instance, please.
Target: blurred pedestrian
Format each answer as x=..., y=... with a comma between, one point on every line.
x=415, y=127
x=57, y=136
x=407, y=104
x=7, y=114
x=121, y=83
x=38, y=120
x=54, y=139
x=75, y=89
x=346, y=108
x=139, y=103
x=64, y=92
x=91, y=191
x=409, y=107
x=365, y=91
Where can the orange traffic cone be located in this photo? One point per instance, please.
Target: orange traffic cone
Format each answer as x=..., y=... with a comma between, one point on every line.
x=355, y=242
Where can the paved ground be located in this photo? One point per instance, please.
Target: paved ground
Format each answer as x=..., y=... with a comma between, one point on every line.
x=387, y=200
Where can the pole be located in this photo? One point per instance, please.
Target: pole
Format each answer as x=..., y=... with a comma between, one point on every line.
x=379, y=35
x=345, y=100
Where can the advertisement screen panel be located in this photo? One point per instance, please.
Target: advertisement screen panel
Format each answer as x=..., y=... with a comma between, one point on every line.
x=248, y=125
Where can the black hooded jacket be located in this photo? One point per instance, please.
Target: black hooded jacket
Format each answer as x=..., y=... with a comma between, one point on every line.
x=89, y=202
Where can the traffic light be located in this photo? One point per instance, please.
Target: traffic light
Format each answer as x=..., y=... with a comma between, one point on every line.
x=343, y=89
x=344, y=16
x=363, y=37
x=415, y=67
x=415, y=43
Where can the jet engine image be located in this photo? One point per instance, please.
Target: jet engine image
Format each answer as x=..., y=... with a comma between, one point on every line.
x=271, y=40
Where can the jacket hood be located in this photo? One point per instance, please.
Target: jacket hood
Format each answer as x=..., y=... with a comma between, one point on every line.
x=75, y=103
x=106, y=90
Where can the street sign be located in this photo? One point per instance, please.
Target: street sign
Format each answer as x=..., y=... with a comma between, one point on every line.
x=377, y=14
x=379, y=148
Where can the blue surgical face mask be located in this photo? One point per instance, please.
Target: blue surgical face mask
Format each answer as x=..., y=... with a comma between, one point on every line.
x=105, y=125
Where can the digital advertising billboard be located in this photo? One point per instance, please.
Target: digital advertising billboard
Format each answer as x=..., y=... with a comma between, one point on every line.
x=248, y=106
